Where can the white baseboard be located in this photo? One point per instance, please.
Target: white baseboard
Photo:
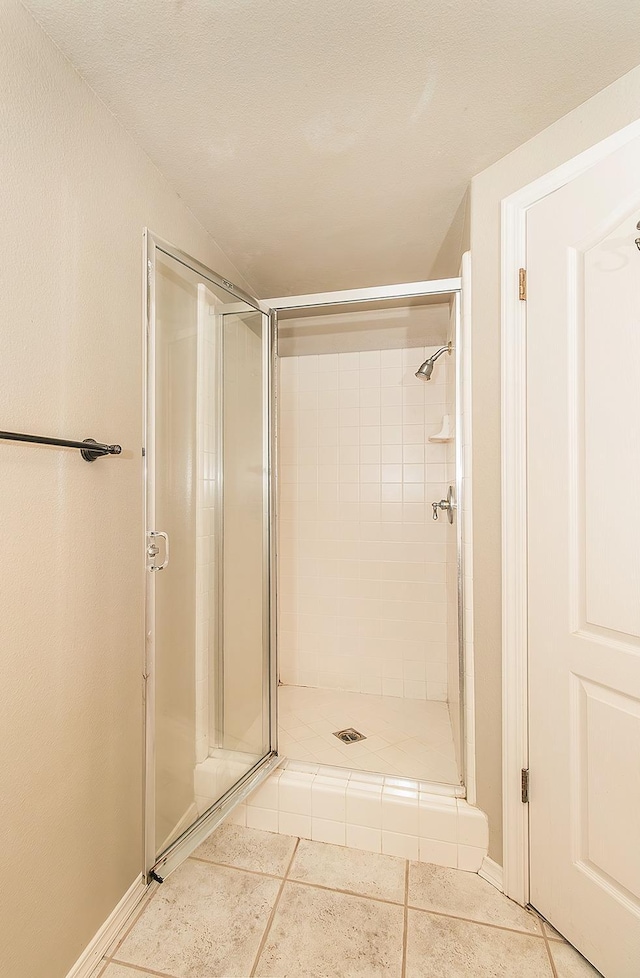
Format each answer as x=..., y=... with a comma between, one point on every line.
x=99, y=944
x=491, y=872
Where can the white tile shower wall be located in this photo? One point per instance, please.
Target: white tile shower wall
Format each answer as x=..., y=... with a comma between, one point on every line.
x=362, y=568
x=395, y=816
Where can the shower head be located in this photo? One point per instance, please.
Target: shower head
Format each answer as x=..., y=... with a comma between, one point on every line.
x=425, y=369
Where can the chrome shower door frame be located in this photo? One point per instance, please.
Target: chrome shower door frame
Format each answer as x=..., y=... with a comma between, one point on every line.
x=160, y=866
x=407, y=290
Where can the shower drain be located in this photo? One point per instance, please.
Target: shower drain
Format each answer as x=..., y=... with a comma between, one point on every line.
x=349, y=736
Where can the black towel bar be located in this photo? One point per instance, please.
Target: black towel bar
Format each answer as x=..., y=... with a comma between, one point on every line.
x=89, y=449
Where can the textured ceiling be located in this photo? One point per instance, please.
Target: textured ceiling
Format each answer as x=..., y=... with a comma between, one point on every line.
x=327, y=144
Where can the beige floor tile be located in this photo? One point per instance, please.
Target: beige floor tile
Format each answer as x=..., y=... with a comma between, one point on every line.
x=465, y=895
x=205, y=921
x=120, y=971
x=235, y=845
x=368, y=873
x=321, y=934
x=570, y=964
x=441, y=947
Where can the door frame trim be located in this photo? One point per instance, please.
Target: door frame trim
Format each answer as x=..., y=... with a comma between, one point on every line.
x=515, y=690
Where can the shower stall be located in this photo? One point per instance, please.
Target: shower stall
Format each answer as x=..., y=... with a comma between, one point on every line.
x=303, y=484
x=370, y=633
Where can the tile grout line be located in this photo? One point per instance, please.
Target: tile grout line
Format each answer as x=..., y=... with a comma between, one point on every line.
x=139, y=968
x=480, y=923
x=352, y=893
x=309, y=883
x=552, y=940
x=405, y=920
x=554, y=971
x=240, y=869
x=267, y=929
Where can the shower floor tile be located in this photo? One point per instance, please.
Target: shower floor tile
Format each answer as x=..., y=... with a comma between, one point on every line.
x=318, y=910
x=404, y=738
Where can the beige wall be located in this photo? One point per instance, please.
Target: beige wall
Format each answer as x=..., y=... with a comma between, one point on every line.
x=608, y=111
x=76, y=193
x=456, y=241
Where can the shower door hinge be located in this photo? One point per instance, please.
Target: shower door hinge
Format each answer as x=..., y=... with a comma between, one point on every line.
x=524, y=785
x=522, y=283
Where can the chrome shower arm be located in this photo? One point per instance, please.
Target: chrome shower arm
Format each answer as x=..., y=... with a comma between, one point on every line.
x=444, y=349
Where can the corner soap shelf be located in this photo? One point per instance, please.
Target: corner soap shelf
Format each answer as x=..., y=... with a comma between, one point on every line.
x=445, y=433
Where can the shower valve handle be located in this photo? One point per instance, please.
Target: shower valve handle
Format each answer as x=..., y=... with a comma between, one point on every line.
x=447, y=505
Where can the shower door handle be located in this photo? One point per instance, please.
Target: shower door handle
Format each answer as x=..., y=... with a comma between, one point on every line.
x=153, y=550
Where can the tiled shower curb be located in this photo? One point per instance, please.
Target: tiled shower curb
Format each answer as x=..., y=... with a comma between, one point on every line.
x=396, y=816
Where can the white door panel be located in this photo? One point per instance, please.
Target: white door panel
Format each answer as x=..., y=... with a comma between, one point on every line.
x=583, y=364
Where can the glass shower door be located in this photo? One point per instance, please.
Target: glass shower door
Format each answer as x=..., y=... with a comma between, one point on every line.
x=209, y=669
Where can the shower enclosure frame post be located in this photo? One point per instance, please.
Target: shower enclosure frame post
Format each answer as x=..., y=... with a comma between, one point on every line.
x=459, y=455
x=273, y=522
x=216, y=706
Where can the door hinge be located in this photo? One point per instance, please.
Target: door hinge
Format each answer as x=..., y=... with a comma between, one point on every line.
x=522, y=283
x=524, y=785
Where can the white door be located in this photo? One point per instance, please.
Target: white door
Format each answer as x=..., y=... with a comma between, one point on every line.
x=583, y=364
